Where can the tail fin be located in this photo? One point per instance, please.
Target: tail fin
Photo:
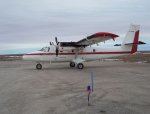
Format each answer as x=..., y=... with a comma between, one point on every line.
x=132, y=39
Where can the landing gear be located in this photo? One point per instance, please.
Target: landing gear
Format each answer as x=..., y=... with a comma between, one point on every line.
x=80, y=66
x=39, y=66
x=72, y=64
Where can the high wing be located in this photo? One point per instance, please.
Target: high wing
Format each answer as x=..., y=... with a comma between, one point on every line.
x=90, y=40
x=96, y=38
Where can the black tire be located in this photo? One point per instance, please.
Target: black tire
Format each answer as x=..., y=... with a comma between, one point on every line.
x=39, y=66
x=72, y=64
x=80, y=66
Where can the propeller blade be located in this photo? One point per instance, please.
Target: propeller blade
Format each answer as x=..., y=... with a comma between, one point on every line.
x=56, y=40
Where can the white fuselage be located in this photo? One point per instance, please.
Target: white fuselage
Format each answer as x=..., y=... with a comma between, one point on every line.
x=67, y=54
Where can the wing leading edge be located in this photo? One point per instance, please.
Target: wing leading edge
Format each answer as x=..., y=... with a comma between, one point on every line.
x=92, y=39
x=97, y=38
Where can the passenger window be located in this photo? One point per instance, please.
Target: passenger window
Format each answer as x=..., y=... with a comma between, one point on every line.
x=94, y=50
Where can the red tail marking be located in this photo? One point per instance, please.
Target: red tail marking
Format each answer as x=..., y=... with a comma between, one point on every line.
x=135, y=42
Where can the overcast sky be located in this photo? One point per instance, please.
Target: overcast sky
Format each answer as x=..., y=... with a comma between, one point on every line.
x=33, y=23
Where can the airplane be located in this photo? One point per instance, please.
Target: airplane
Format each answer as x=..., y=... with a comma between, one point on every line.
x=81, y=51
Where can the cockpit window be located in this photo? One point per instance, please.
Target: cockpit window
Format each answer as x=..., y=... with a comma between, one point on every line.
x=45, y=49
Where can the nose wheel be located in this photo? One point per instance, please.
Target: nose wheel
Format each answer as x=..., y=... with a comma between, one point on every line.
x=72, y=64
x=39, y=66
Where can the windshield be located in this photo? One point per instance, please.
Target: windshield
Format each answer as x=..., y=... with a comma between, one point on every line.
x=45, y=49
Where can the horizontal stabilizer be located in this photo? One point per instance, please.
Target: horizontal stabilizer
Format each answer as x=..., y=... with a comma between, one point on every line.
x=117, y=45
x=139, y=43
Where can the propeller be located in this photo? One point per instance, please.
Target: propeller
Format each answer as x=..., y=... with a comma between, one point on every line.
x=52, y=43
x=57, y=46
x=56, y=41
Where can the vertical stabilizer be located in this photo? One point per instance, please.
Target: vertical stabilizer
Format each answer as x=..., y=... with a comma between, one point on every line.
x=131, y=40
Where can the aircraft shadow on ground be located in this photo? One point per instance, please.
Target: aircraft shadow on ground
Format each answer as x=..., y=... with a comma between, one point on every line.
x=85, y=68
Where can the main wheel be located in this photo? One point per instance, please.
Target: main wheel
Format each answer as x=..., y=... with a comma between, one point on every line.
x=72, y=64
x=80, y=66
x=39, y=66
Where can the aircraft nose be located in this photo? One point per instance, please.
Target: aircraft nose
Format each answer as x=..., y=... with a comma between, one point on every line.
x=27, y=57
x=30, y=56
x=24, y=57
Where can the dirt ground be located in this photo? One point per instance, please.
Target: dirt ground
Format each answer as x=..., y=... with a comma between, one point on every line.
x=119, y=88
